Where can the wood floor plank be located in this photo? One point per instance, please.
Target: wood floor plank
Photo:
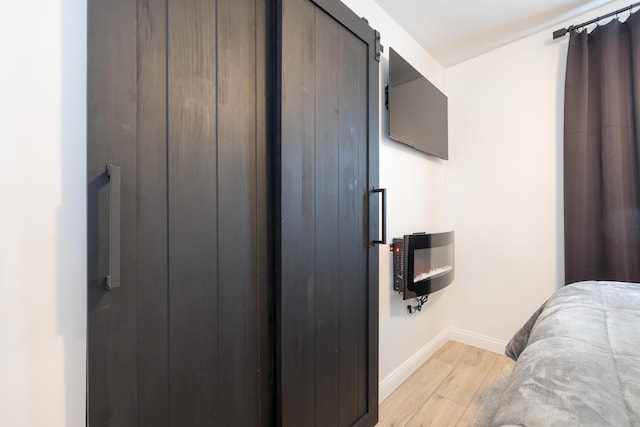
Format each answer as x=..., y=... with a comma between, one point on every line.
x=449, y=352
x=462, y=384
x=501, y=368
x=399, y=407
x=452, y=352
x=447, y=390
x=438, y=412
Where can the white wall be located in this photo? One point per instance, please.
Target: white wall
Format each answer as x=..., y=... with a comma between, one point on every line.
x=42, y=215
x=416, y=201
x=505, y=186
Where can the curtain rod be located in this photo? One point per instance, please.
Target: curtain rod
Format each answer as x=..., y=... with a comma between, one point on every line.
x=561, y=32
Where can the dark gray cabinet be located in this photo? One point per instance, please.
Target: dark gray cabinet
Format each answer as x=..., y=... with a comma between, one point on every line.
x=246, y=136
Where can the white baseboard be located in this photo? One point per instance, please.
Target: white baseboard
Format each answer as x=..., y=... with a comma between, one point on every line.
x=477, y=340
x=404, y=371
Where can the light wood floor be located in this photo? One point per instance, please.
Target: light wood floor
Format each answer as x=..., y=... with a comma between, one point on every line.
x=447, y=390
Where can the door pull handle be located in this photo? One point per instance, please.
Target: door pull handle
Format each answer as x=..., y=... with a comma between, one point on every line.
x=382, y=241
x=112, y=280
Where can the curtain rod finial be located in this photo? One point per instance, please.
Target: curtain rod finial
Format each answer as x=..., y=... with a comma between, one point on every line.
x=559, y=33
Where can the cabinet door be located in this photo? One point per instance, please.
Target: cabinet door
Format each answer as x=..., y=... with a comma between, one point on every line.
x=328, y=279
x=177, y=99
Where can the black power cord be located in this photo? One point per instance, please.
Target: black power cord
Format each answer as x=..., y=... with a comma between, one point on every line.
x=421, y=301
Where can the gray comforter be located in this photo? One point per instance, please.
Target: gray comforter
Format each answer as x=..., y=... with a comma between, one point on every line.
x=578, y=360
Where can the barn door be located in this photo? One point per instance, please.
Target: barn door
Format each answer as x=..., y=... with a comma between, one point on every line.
x=179, y=222
x=328, y=278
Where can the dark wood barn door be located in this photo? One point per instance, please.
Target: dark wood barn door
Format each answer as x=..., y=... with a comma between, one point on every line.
x=328, y=277
x=177, y=100
x=242, y=136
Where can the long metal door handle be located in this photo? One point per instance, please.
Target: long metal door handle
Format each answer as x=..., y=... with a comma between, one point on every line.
x=112, y=280
x=383, y=241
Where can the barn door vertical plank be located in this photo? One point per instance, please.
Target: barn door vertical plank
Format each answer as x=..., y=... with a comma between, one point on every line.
x=152, y=305
x=193, y=213
x=240, y=216
x=111, y=138
x=328, y=223
x=297, y=216
x=353, y=283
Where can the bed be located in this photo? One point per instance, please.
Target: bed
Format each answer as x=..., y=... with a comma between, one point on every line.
x=577, y=360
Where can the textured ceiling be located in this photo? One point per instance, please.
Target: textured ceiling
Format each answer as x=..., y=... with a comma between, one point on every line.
x=454, y=31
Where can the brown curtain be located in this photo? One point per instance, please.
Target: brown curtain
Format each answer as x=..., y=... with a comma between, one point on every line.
x=602, y=154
